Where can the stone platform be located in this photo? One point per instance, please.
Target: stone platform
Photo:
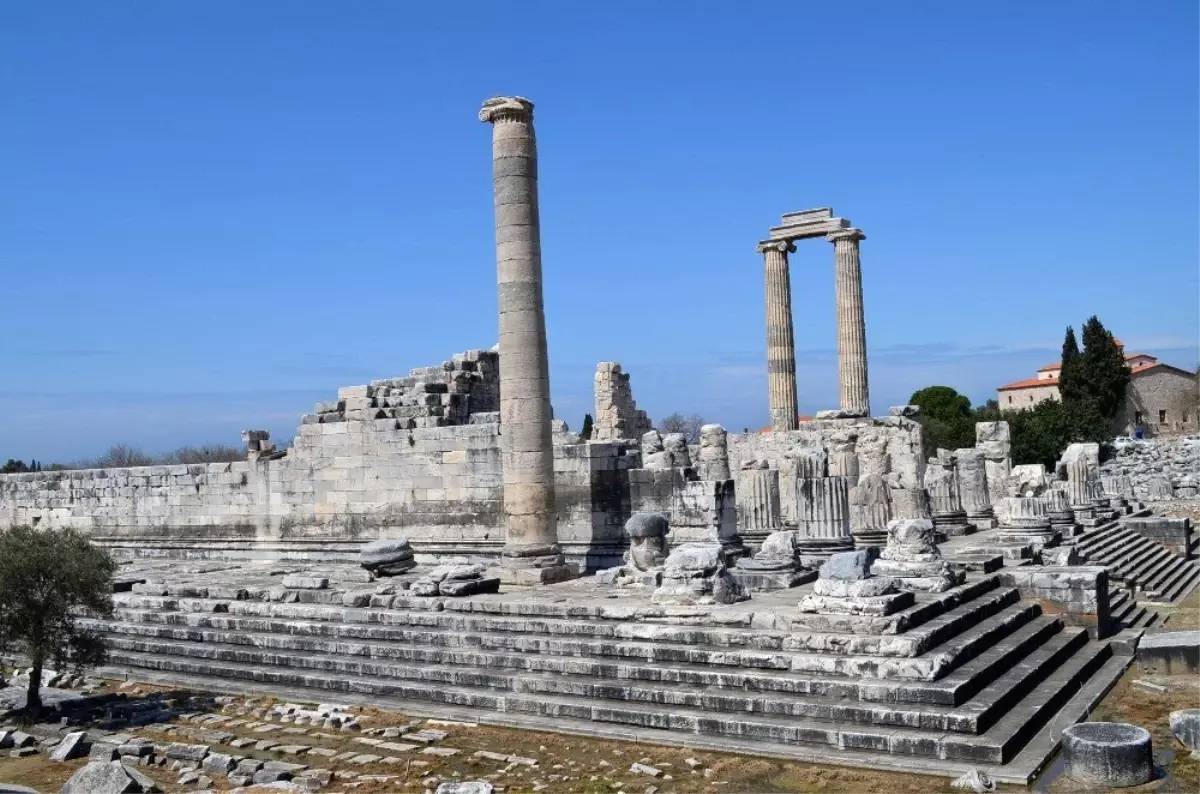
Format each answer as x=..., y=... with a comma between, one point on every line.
x=969, y=677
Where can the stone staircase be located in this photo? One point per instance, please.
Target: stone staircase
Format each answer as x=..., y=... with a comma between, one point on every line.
x=968, y=677
x=1159, y=574
x=1127, y=613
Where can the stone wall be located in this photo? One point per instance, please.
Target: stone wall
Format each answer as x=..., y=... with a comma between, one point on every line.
x=428, y=470
x=1166, y=400
x=1174, y=533
x=1076, y=593
x=1159, y=468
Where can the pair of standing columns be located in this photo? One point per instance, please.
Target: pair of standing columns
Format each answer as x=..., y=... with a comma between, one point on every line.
x=851, y=326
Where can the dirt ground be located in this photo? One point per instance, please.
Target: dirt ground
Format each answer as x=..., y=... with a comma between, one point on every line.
x=565, y=764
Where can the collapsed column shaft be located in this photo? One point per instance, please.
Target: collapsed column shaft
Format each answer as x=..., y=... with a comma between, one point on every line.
x=851, y=321
x=526, y=451
x=781, y=346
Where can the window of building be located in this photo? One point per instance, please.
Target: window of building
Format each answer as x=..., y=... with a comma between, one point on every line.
x=1137, y=417
x=1031, y=398
x=1010, y=398
x=1162, y=417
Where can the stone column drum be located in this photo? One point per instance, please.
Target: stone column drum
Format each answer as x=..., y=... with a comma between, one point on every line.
x=781, y=345
x=531, y=553
x=758, y=507
x=851, y=321
x=824, y=523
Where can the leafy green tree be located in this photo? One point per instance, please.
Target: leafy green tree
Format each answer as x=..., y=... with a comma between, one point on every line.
x=941, y=402
x=945, y=418
x=14, y=466
x=1070, y=378
x=585, y=432
x=1104, y=373
x=48, y=580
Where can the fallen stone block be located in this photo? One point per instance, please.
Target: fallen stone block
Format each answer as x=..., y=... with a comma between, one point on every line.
x=73, y=745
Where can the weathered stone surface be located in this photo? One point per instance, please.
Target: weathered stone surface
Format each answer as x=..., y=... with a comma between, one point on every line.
x=390, y=556
x=1112, y=754
x=465, y=787
x=696, y=574
x=100, y=777
x=862, y=588
x=73, y=745
x=1185, y=724
x=848, y=565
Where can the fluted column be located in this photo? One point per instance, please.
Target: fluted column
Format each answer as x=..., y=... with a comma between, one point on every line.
x=851, y=321
x=781, y=345
x=526, y=451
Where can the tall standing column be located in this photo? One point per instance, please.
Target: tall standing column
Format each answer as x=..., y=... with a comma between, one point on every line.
x=781, y=345
x=851, y=321
x=531, y=552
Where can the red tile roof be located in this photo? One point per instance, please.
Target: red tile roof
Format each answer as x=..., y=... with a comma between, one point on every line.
x=1029, y=383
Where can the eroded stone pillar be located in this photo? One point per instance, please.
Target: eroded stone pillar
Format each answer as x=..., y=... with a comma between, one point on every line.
x=781, y=345
x=851, y=321
x=531, y=548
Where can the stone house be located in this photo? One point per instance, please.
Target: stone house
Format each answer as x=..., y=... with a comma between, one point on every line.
x=1161, y=399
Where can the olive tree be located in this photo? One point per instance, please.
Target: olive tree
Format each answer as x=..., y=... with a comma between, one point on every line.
x=49, y=579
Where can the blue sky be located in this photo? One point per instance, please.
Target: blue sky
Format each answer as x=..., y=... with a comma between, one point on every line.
x=214, y=214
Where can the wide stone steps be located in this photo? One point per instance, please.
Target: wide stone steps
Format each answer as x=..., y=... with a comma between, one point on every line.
x=1044, y=645
x=996, y=744
x=953, y=689
x=1127, y=613
x=995, y=617
x=1159, y=573
x=451, y=629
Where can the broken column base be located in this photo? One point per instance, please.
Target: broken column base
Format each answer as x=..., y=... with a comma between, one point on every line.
x=531, y=576
x=873, y=606
x=765, y=580
x=813, y=552
x=950, y=525
x=932, y=577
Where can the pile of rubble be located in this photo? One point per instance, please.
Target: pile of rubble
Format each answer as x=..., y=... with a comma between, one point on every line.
x=1160, y=469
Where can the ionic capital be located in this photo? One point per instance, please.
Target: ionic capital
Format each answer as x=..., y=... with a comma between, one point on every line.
x=850, y=234
x=506, y=108
x=782, y=246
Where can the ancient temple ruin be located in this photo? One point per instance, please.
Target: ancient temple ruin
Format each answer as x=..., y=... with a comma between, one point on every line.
x=822, y=592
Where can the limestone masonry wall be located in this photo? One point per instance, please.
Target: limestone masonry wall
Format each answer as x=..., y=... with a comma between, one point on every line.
x=408, y=456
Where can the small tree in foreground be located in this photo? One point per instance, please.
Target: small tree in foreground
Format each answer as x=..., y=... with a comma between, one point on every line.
x=48, y=580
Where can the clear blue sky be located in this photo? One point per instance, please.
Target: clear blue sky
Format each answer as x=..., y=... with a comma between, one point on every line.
x=214, y=214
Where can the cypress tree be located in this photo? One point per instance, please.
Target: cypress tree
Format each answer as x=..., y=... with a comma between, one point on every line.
x=1070, y=386
x=1104, y=373
x=586, y=431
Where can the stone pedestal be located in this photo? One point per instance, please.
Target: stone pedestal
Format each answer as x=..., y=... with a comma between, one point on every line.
x=531, y=552
x=781, y=346
x=1058, y=510
x=851, y=321
x=695, y=573
x=1082, y=488
x=1028, y=522
x=776, y=565
x=912, y=559
x=846, y=587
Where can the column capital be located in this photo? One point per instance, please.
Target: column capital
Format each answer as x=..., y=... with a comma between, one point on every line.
x=852, y=234
x=782, y=246
x=506, y=108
